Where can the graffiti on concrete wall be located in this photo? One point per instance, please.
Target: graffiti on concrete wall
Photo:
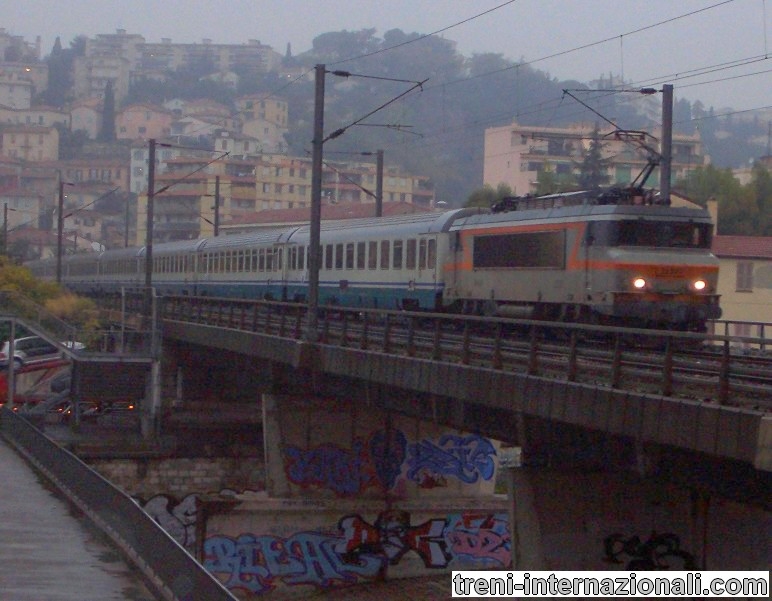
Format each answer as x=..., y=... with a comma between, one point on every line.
x=466, y=458
x=380, y=460
x=177, y=518
x=658, y=552
x=357, y=551
x=343, y=471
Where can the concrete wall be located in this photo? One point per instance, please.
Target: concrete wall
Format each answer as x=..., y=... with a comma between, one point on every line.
x=179, y=477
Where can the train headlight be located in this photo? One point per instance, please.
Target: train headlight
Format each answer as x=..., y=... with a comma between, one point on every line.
x=639, y=283
x=699, y=285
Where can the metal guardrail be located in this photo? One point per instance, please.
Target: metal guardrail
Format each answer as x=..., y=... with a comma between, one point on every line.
x=168, y=567
x=556, y=350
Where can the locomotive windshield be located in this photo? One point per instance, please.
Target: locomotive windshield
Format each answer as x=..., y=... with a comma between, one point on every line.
x=662, y=234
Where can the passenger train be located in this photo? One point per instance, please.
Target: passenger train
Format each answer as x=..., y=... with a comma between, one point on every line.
x=616, y=257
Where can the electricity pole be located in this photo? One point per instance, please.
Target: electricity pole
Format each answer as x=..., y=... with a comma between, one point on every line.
x=216, y=206
x=314, y=255
x=667, y=143
x=149, y=230
x=60, y=228
x=379, y=184
x=5, y=229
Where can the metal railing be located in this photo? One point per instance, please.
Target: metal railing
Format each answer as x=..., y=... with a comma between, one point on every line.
x=670, y=363
x=95, y=338
x=168, y=567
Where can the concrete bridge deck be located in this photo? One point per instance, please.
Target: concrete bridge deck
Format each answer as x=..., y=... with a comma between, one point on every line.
x=48, y=551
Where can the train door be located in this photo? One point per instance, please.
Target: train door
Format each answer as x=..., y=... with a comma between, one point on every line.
x=281, y=270
x=587, y=247
x=428, y=270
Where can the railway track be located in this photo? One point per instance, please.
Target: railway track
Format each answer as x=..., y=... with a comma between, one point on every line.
x=720, y=369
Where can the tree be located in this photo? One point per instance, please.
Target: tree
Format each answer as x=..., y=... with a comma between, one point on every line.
x=71, y=143
x=487, y=196
x=761, y=186
x=738, y=206
x=107, y=130
x=549, y=181
x=593, y=170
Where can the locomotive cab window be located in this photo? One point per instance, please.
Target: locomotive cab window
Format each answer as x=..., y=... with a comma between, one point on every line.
x=524, y=251
x=661, y=234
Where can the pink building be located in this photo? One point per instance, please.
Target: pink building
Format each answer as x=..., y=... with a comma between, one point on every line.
x=143, y=121
x=86, y=114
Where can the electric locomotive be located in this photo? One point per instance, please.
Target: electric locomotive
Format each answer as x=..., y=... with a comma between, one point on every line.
x=617, y=257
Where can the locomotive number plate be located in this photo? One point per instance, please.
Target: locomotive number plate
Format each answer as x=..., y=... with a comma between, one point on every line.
x=669, y=272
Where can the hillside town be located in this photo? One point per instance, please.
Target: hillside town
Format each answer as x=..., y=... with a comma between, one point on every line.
x=223, y=171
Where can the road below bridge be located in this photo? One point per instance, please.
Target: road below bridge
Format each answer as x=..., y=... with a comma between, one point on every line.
x=49, y=550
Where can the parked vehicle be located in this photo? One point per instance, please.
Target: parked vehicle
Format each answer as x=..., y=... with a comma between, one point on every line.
x=27, y=349
x=34, y=348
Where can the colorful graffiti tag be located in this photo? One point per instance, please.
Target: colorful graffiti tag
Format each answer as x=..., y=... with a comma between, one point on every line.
x=466, y=458
x=357, y=551
x=658, y=552
x=379, y=462
x=178, y=519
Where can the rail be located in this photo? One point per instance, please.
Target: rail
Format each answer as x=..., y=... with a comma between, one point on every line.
x=728, y=370
x=168, y=567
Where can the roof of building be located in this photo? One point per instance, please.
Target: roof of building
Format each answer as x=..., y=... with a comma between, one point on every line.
x=34, y=236
x=349, y=210
x=745, y=247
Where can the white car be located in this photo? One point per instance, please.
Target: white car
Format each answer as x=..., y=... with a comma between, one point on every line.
x=28, y=349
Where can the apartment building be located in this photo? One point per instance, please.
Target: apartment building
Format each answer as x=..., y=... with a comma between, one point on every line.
x=143, y=122
x=92, y=74
x=24, y=208
x=86, y=115
x=15, y=90
x=39, y=115
x=516, y=154
x=108, y=172
x=265, y=119
x=250, y=56
x=744, y=280
x=121, y=57
x=186, y=209
x=30, y=142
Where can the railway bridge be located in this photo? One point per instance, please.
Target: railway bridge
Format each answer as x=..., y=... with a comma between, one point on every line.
x=604, y=436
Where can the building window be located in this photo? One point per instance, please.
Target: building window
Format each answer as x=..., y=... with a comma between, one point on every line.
x=745, y=276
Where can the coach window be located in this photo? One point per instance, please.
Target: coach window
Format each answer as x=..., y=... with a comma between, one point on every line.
x=338, y=256
x=328, y=256
x=360, y=255
x=385, y=252
x=398, y=254
x=410, y=254
x=269, y=259
x=229, y=262
x=350, y=255
x=422, y=253
x=372, y=255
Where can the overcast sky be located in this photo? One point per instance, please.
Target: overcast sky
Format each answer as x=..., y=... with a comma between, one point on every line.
x=648, y=42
